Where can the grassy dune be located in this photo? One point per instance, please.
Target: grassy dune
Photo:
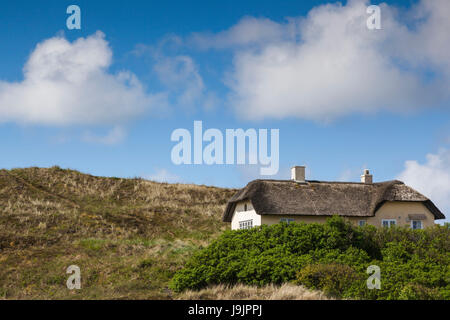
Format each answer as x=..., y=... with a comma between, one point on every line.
x=128, y=236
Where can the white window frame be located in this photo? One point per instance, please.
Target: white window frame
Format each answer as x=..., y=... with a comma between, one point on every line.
x=246, y=224
x=390, y=222
x=412, y=224
x=364, y=222
x=287, y=220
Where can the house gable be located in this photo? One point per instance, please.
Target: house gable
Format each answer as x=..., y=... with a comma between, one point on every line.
x=244, y=211
x=403, y=212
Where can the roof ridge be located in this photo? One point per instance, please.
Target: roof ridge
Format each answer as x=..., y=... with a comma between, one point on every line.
x=331, y=182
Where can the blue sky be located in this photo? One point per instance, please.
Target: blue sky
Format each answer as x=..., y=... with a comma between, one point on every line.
x=344, y=97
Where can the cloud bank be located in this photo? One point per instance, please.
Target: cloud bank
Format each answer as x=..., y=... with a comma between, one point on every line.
x=329, y=64
x=68, y=84
x=431, y=178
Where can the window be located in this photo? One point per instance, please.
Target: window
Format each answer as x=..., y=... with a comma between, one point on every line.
x=416, y=224
x=247, y=224
x=245, y=207
x=388, y=222
x=361, y=223
x=287, y=220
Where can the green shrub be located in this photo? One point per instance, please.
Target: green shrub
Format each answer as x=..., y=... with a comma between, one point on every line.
x=333, y=257
x=333, y=279
x=276, y=265
x=414, y=291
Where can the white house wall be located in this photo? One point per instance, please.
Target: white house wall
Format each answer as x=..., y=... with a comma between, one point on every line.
x=241, y=215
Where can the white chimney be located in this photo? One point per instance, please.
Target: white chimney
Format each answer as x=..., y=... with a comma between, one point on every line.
x=298, y=173
x=367, y=178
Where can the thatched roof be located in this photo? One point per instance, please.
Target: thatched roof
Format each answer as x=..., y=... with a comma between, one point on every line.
x=321, y=198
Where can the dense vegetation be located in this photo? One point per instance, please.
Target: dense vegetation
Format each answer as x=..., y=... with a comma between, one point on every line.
x=332, y=257
x=128, y=236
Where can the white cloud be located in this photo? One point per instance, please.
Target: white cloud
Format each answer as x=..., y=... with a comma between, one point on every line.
x=114, y=136
x=162, y=175
x=329, y=64
x=431, y=178
x=181, y=76
x=429, y=43
x=248, y=31
x=68, y=83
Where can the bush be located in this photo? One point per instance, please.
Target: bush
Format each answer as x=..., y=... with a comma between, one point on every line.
x=414, y=291
x=333, y=257
x=333, y=279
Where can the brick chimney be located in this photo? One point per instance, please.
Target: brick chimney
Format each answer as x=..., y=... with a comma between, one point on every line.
x=367, y=178
x=298, y=174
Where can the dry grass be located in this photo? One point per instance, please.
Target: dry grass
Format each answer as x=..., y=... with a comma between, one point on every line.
x=243, y=292
x=129, y=236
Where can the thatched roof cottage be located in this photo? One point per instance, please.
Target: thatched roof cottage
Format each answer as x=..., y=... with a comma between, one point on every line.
x=299, y=200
